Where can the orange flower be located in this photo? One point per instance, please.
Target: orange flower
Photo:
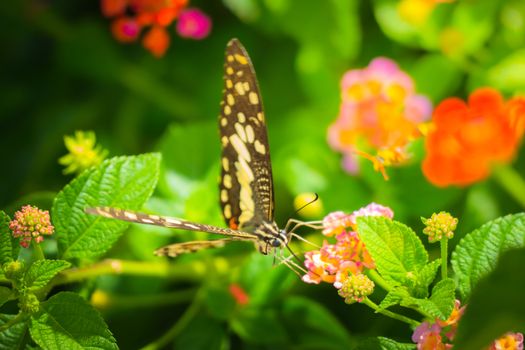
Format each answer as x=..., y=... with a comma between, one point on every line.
x=467, y=139
x=157, y=41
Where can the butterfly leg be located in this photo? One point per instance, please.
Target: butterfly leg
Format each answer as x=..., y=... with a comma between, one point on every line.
x=316, y=225
x=290, y=263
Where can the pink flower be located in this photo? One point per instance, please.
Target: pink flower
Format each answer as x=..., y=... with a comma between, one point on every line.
x=193, y=24
x=31, y=223
x=428, y=337
x=335, y=263
x=380, y=112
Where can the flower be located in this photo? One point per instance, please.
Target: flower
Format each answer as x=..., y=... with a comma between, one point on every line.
x=439, y=226
x=130, y=17
x=157, y=41
x=193, y=24
x=335, y=263
x=439, y=334
x=239, y=294
x=416, y=12
x=428, y=337
x=31, y=223
x=83, y=153
x=510, y=341
x=125, y=29
x=468, y=138
x=380, y=113
x=356, y=288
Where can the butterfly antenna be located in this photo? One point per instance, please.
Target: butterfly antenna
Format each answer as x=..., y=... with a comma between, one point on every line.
x=307, y=204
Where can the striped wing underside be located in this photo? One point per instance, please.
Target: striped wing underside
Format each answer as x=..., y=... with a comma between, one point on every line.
x=166, y=221
x=246, y=186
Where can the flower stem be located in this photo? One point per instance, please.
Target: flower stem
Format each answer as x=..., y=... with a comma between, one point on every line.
x=444, y=257
x=509, y=179
x=37, y=251
x=380, y=281
x=179, y=326
x=195, y=270
x=124, y=302
x=390, y=314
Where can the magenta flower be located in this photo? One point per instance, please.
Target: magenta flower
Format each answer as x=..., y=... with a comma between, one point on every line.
x=193, y=24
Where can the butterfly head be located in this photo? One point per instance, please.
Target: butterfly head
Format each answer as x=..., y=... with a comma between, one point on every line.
x=271, y=237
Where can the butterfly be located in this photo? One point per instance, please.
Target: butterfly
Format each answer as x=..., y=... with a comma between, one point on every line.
x=246, y=184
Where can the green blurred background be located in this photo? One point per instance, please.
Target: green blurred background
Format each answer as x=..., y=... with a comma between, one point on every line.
x=62, y=71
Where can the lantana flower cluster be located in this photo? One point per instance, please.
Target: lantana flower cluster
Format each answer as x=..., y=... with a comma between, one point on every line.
x=439, y=225
x=380, y=115
x=130, y=17
x=440, y=334
x=338, y=263
x=31, y=223
x=467, y=138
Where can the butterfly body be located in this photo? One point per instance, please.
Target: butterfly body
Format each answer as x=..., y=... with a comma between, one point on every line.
x=246, y=184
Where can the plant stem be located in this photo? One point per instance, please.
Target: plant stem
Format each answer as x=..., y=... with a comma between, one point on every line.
x=179, y=326
x=444, y=257
x=509, y=179
x=390, y=314
x=37, y=251
x=195, y=270
x=116, y=302
x=380, y=281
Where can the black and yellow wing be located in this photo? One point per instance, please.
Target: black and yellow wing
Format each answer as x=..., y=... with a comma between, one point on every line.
x=246, y=186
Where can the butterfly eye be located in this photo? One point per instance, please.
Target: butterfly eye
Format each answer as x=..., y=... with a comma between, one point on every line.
x=276, y=243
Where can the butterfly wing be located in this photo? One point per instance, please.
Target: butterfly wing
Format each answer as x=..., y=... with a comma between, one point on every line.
x=176, y=249
x=246, y=186
x=166, y=221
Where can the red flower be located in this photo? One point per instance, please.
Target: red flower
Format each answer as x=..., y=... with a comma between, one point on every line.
x=468, y=138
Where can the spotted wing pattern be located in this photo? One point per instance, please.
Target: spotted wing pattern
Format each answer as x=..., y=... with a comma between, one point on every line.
x=246, y=186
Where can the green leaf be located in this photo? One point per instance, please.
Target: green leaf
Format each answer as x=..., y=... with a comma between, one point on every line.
x=443, y=296
x=394, y=297
x=509, y=73
x=220, y=302
x=395, y=248
x=496, y=305
x=312, y=326
x=66, y=321
x=193, y=338
x=477, y=253
x=425, y=276
x=441, y=302
x=381, y=343
x=8, y=246
x=5, y=295
x=13, y=338
x=42, y=271
x=121, y=182
x=259, y=326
